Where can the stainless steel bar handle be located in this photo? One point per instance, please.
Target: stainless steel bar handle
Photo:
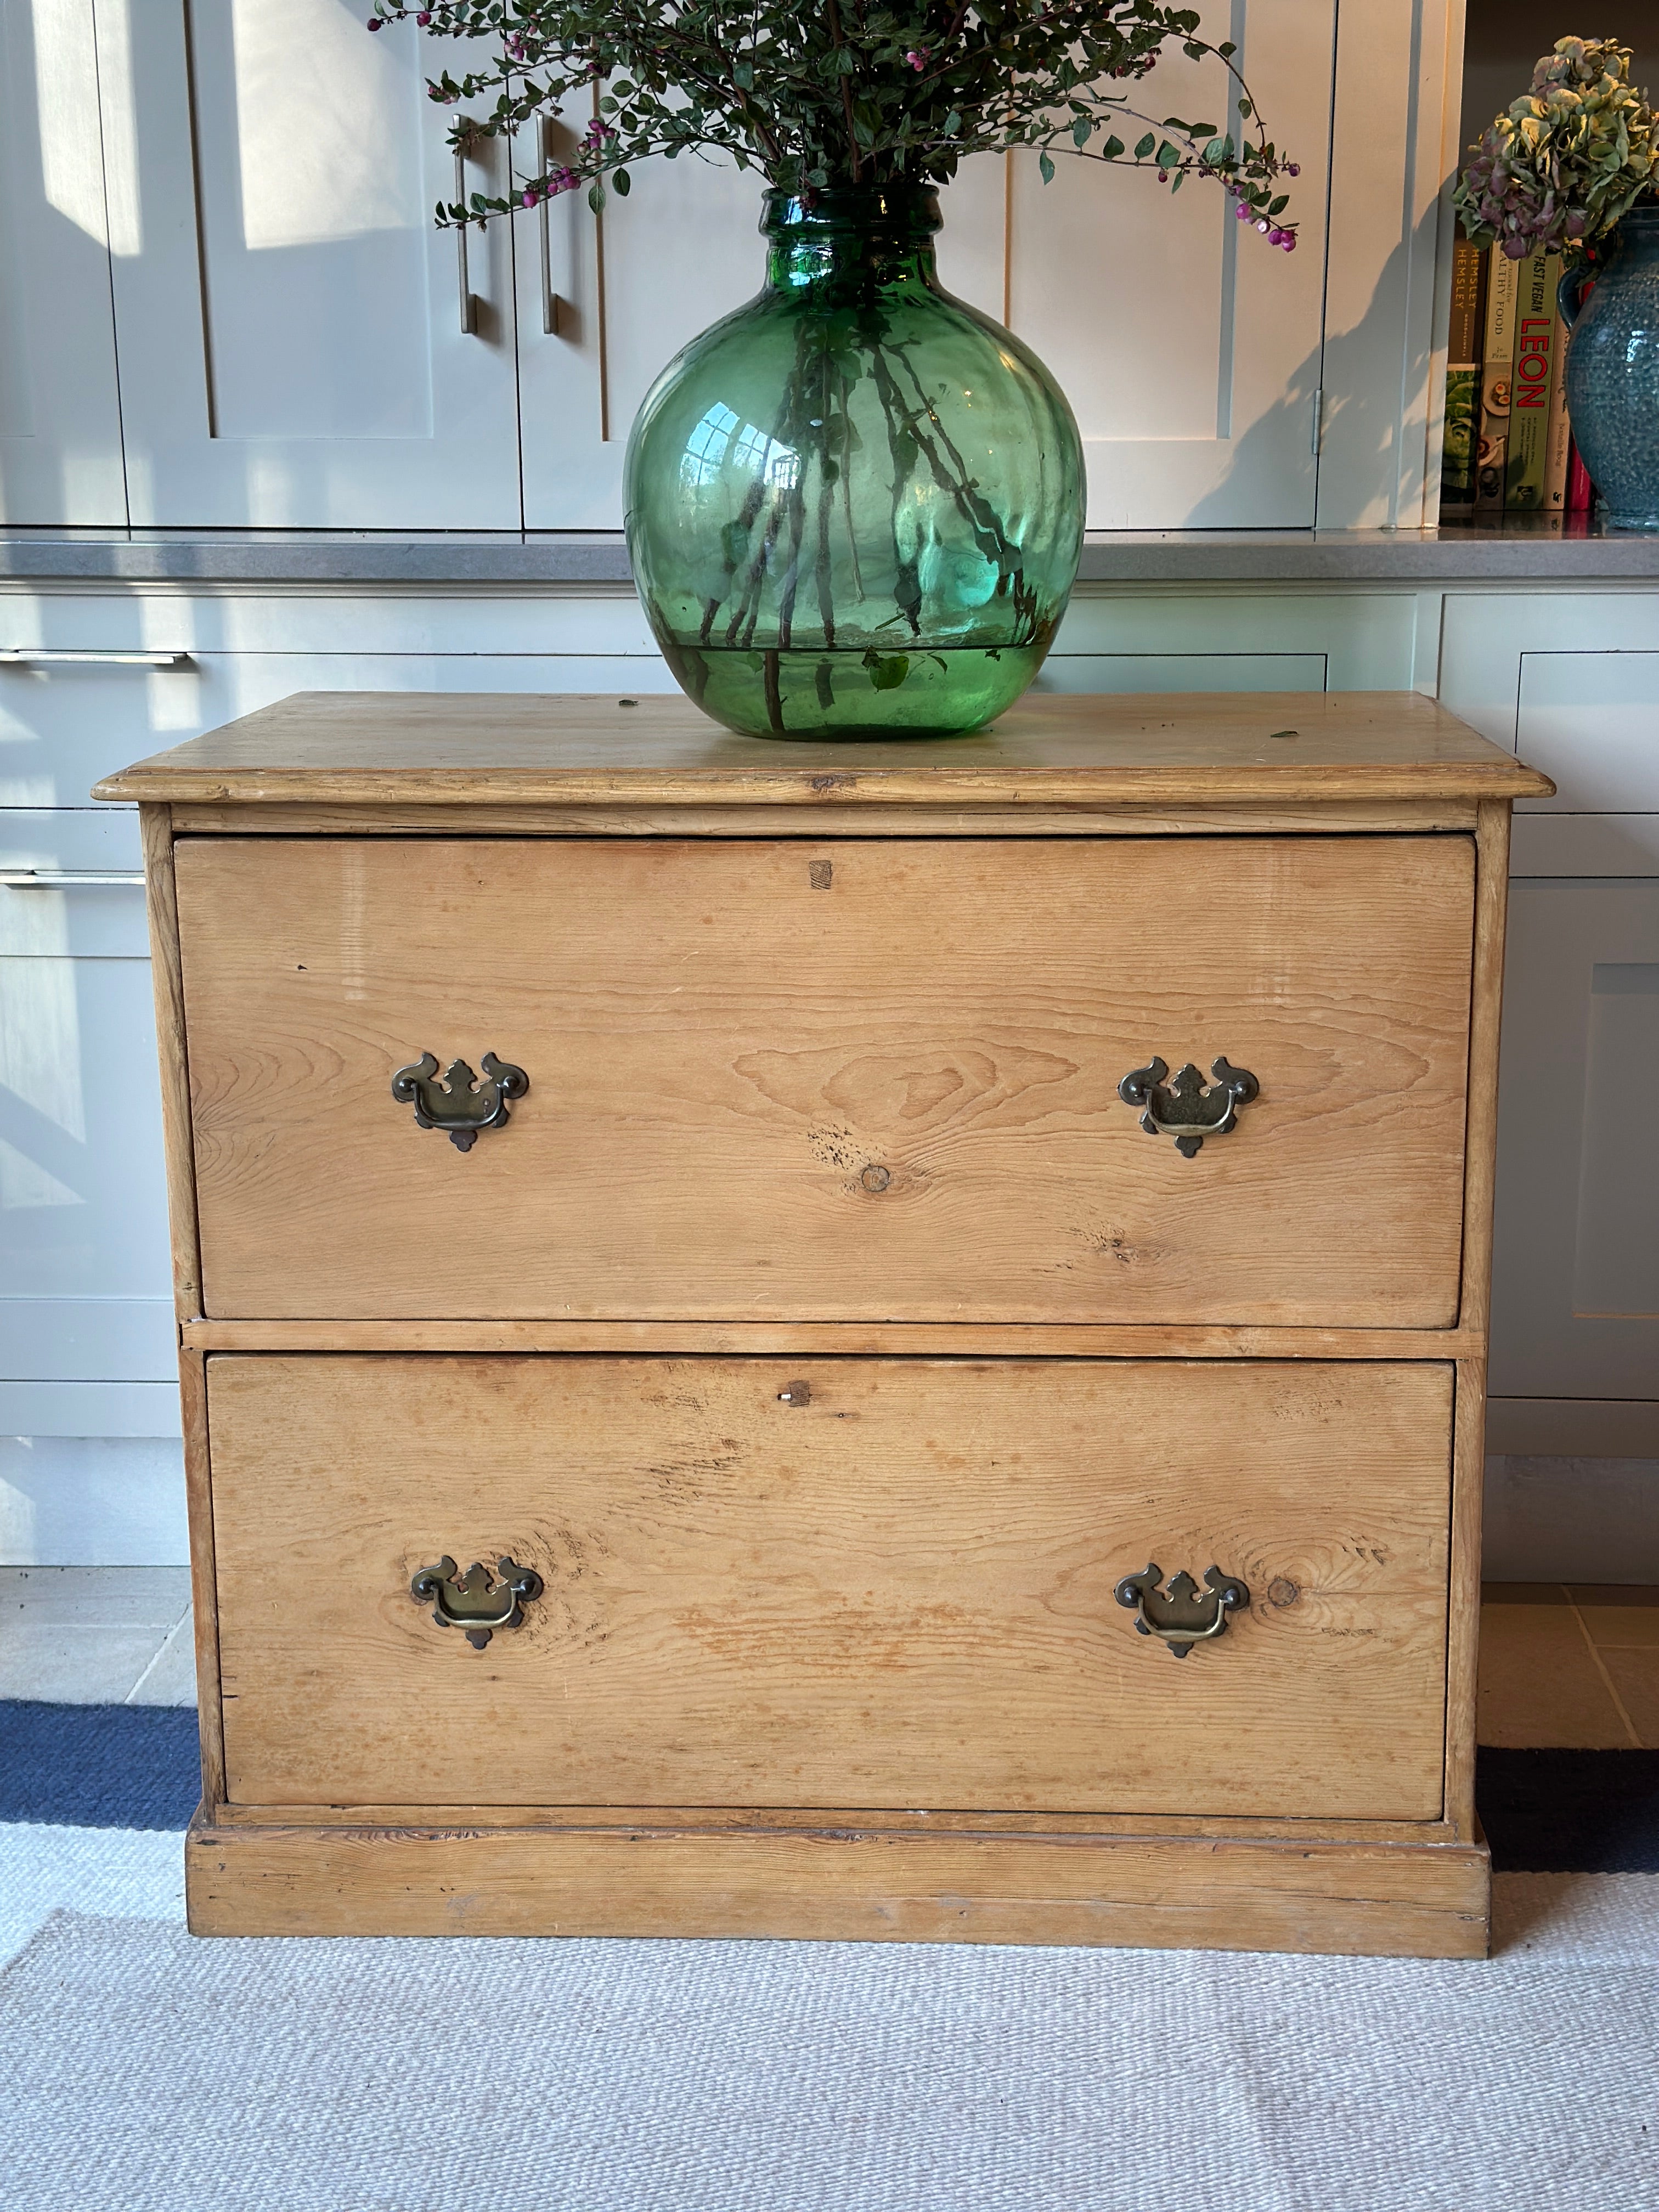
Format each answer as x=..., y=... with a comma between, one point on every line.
x=66, y=879
x=94, y=657
x=550, y=297
x=469, y=305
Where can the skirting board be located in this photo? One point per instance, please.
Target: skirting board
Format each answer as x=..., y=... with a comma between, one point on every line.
x=1378, y=1900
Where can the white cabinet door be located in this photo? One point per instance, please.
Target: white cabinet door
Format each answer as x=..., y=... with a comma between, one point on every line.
x=86, y=1307
x=83, y=1228
x=1576, y=1263
x=60, y=424
x=1189, y=347
x=290, y=325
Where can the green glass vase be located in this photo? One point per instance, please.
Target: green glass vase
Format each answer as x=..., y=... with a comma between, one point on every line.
x=855, y=505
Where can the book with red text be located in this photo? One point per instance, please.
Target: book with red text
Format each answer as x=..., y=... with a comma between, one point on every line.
x=1532, y=386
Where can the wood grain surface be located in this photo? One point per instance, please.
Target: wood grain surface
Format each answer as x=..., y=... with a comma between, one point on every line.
x=861, y=1081
x=347, y=748
x=1007, y=1339
x=881, y=1583
x=886, y=1820
x=392, y=819
x=167, y=981
x=1346, y=1899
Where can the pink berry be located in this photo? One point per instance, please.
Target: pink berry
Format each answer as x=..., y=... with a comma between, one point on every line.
x=374, y=22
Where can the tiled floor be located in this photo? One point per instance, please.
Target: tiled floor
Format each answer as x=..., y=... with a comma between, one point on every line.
x=1561, y=1665
x=97, y=1636
x=1569, y=1666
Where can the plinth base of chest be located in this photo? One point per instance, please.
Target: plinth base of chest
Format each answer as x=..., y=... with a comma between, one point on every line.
x=1190, y=1891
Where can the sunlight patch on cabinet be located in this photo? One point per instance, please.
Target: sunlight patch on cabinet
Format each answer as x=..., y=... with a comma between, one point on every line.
x=313, y=215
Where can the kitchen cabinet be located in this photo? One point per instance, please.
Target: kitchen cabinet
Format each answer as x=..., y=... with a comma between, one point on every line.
x=1571, y=681
x=300, y=348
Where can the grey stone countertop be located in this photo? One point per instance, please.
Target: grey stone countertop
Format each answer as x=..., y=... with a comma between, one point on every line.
x=1518, y=550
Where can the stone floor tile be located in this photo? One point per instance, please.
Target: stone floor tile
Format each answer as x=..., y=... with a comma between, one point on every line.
x=170, y=1678
x=1540, y=1686
x=107, y=1598
x=1620, y=1617
x=1635, y=1677
x=90, y=1666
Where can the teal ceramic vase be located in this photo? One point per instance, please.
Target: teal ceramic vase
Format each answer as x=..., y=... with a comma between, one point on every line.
x=855, y=505
x=1613, y=371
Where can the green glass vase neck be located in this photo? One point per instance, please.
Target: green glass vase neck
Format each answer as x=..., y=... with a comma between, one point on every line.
x=854, y=237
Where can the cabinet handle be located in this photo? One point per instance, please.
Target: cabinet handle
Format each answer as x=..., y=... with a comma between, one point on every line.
x=469, y=305
x=452, y=1104
x=473, y=1601
x=550, y=297
x=1184, y=1109
x=27, y=655
x=65, y=879
x=1183, y=1615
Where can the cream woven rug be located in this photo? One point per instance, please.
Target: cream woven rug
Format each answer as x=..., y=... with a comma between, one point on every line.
x=141, y=2071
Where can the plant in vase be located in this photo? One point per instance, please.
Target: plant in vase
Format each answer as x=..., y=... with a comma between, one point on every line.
x=1572, y=169
x=855, y=505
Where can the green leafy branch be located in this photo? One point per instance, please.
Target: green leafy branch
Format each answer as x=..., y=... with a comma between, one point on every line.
x=854, y=94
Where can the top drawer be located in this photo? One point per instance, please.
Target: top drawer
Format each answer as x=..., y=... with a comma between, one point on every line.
x=853, y=1080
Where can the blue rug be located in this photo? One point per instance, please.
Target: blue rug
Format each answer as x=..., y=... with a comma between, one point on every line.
x=99, y=1766
x=136, y=1767
x=1570, y=1812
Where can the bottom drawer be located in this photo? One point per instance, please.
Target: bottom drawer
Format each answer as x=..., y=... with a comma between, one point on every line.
x=840, y=1582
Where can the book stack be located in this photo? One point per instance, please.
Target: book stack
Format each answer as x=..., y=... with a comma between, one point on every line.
x=1508, y=446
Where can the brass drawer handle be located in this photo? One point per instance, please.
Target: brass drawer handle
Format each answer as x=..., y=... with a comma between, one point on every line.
x=473, y=1600
x=454, y=1104
x=1184, y=1109
x=1184, y=1615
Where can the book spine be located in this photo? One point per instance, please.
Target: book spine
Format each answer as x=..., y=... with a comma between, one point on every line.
x=1458, y=438
x=1465, y=337
x=1497, y=367
x=1526, y=461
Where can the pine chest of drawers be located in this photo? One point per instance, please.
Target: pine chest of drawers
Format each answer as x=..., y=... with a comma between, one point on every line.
x=852, y=1341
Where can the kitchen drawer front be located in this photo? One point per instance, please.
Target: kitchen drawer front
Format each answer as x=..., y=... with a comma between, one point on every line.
x=853, y=1583
x=858, y=1080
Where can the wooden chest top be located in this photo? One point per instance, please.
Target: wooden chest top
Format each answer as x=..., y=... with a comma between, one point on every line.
x=357, y=749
